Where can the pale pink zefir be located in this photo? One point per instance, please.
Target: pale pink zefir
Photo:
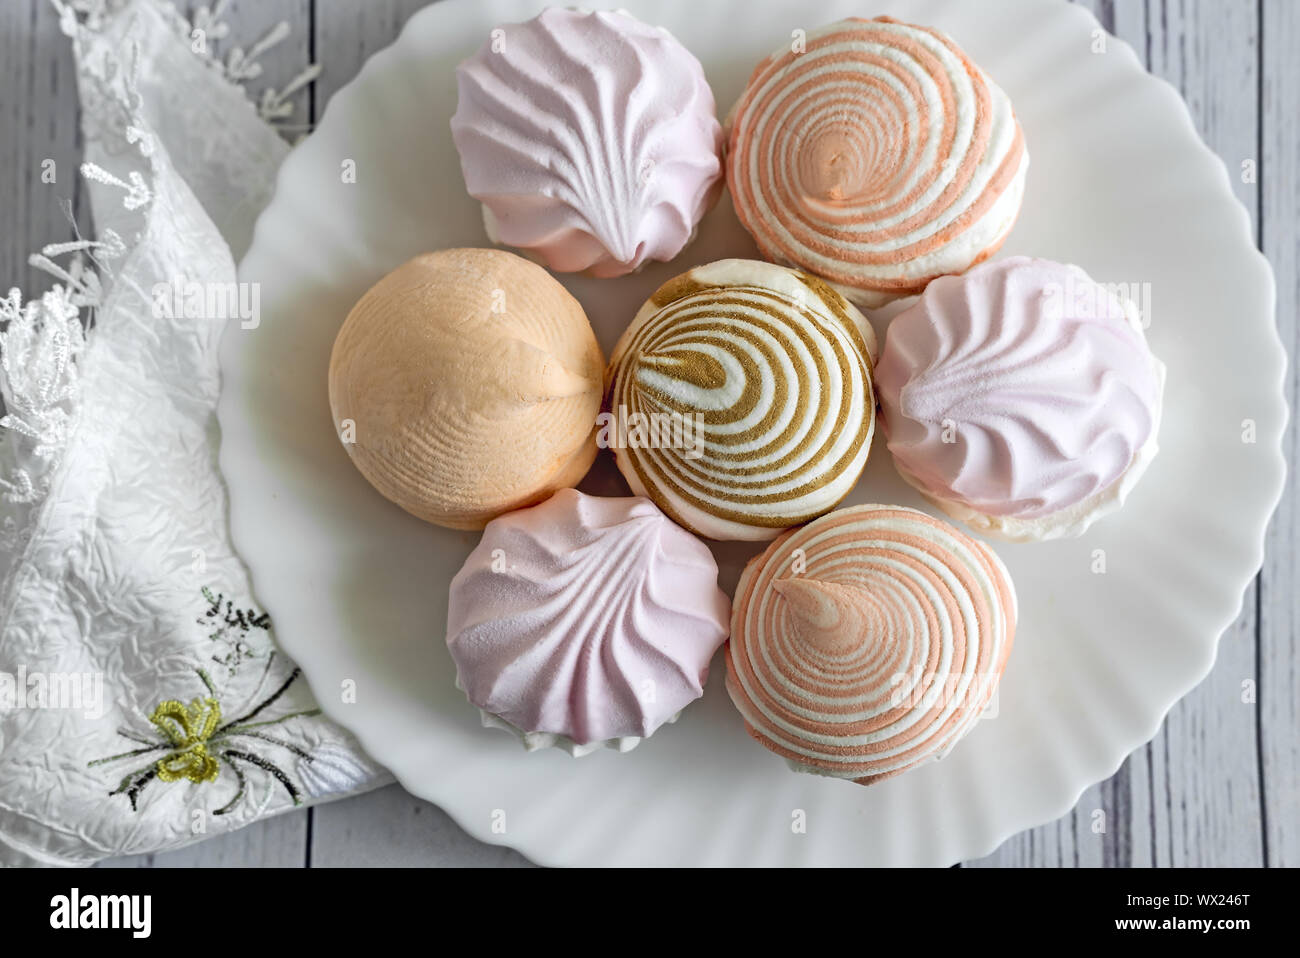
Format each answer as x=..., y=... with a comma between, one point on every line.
x=591, y=140
x=876, y=155
x=585, y=622
x=1021, y=398
x=869, y=641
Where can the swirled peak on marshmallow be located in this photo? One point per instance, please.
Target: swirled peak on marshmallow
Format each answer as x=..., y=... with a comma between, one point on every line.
x=1021, y=398
x=877, y=156
x=585, y=622
x=740, y=399
x=869, y=641
x=591, y=140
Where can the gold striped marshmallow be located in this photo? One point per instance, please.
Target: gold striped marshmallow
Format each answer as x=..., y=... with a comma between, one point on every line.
x=769, y=370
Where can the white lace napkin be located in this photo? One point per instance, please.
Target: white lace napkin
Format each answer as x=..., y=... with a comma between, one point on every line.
x=143, y=703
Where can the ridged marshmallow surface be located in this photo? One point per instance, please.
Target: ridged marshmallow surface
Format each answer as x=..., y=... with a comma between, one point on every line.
x=1022, y=397
x=590, y=138
x=585, y=621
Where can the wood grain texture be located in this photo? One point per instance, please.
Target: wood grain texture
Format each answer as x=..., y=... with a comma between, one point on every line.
x=392, y=828
x=1208, y=746
x=249, y=21
x=38, y=120
x=1220, y=783
x=347, y=33
x=279, y=842
x=1279, y=616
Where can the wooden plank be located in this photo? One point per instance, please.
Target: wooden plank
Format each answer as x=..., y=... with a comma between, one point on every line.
x=1126, y=19
x=1196, y=799
x=347, y=33
x=279, y=842
x=249, y=21
x=1279, y=678
x=389, y=827
x=42, y=138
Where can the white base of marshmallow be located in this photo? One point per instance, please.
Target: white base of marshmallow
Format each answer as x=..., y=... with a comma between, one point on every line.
x=535, y=741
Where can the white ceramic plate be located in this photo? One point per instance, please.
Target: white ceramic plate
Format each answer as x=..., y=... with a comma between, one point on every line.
x=1119, y=183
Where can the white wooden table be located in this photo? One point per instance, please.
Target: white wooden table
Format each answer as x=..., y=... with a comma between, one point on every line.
x=1219, y=784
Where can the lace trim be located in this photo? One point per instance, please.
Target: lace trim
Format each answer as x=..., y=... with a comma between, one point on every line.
x=42, y=339
x=40, y=342
x=237, y=67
